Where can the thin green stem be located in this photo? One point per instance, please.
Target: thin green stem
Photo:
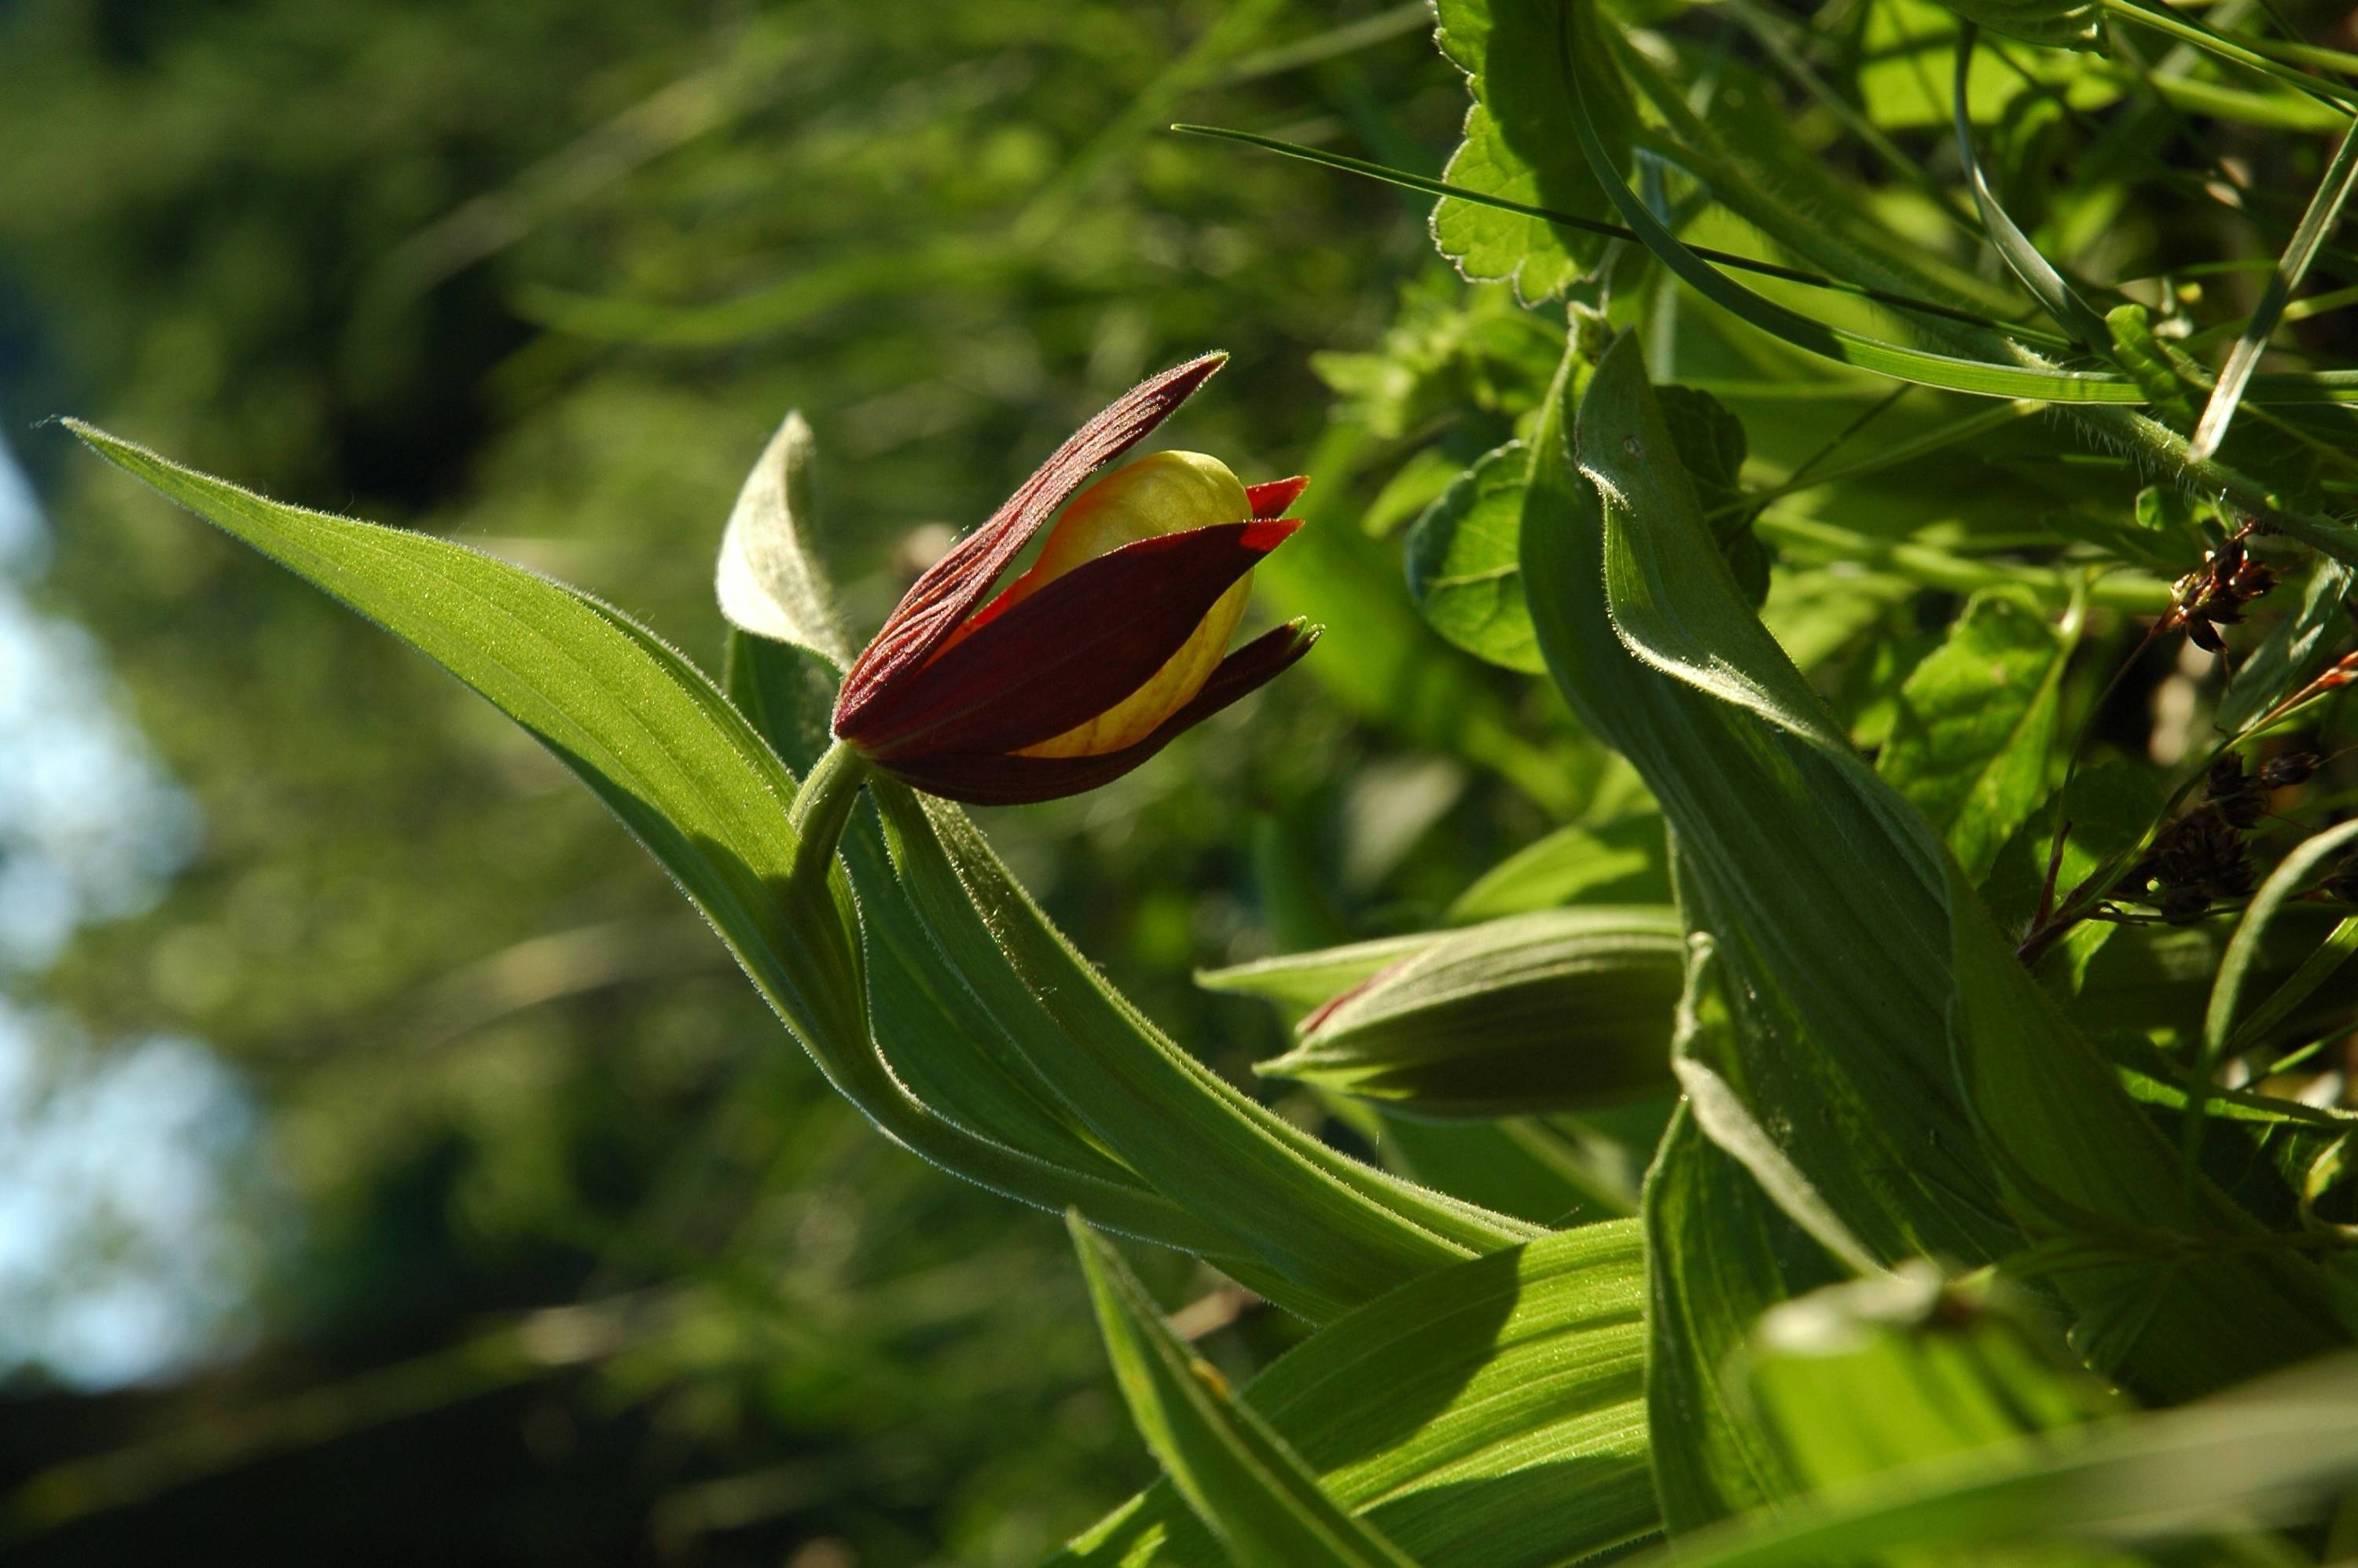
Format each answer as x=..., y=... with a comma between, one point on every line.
x=2201, y=37
x=1617, y=232
x=2131, y=592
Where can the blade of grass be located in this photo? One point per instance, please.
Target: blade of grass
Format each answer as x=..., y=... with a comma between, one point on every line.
x=1431, y=186
x=2061, y=300
x=2324, y=212
x=2340, y=96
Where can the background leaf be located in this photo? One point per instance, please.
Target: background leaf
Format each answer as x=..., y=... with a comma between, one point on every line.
x=1975, y=726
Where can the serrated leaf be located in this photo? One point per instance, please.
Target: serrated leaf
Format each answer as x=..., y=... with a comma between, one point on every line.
x=1976, y=725
x=1515, y=147
x=1486, y=1416
x=1235, y=1471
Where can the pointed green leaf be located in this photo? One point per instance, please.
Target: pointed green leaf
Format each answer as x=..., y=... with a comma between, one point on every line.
x=770, y=582
x=1486, y=1416
x=1233, y=1469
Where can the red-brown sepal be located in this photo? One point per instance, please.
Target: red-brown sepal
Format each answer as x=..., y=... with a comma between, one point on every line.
x=985, y=778
x=1066, y=654
x=941, y=600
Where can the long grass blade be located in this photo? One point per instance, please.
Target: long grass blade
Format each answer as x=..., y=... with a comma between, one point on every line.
x=2047, y=286
x=2324, y=212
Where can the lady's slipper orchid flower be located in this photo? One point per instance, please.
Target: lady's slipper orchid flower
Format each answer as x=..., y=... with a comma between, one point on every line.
x=1089, y=661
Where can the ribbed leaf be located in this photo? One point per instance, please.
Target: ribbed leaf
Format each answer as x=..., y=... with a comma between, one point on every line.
x=1235, y=1471
x=1861, y=1378
x=1833, y=910
x=1561, y=1010
x=2273, y=1446
x=696, y=784
x=1306, y=979
x=1488, y=1414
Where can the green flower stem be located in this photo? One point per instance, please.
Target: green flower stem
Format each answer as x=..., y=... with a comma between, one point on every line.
x=822, y=809
x=819, y=902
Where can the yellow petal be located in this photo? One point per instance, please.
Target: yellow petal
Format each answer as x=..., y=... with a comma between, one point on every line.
x=1159, y=494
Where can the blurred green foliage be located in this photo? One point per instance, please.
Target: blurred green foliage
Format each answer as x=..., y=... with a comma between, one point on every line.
x=543, y=278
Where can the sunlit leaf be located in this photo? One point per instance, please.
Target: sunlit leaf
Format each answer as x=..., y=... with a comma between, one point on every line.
x=1234, y=1469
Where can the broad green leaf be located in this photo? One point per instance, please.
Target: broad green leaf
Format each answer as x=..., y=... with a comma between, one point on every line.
x=1559, y=1010
x=688, y=775
x=1620, y=857
x=1235, y=1471
x=1326, y=1232
x=1462, y=566
x=1515, y=147
x=644, y=730
x=1721, y=1256
x=2108, y=809
x=1862, y=1377
x=633, y=719
x=1804, y=863
x=1975, y=726
x=2165, y=1292
x=1488, y=1414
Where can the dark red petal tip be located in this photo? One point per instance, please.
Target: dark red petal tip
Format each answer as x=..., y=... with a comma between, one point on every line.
x=1272, y=499
x=943, y=598
x=1068, y=652
x=994, y=779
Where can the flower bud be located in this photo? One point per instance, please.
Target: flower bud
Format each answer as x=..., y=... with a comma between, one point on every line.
x=1108, y=646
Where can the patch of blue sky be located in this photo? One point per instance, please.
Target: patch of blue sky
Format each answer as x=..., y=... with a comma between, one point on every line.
x=134, y=1203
